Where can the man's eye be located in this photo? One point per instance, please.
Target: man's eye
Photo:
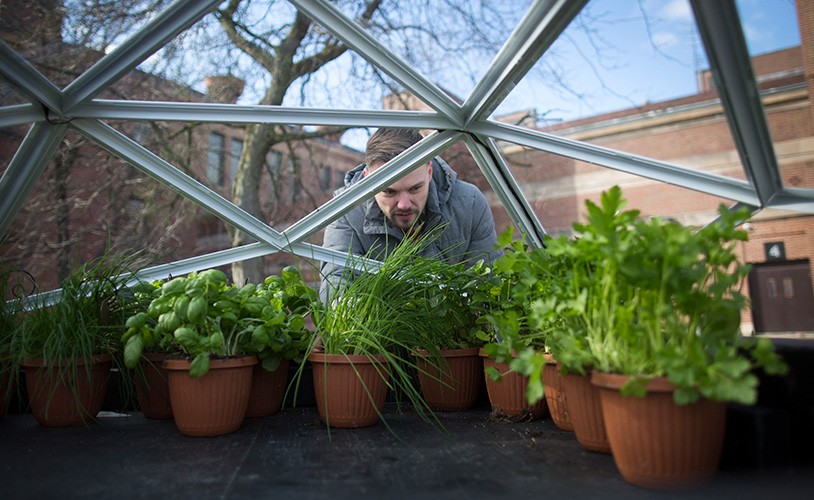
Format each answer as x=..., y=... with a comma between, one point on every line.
x=415, y=189
x=388, y=192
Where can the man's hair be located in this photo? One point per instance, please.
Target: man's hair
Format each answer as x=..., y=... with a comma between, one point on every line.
x=387, y=143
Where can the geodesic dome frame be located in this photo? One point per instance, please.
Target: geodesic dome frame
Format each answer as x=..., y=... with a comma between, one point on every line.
x=54, y=111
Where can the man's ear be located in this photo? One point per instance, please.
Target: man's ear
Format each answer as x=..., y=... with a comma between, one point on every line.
x=364, y=172
x=429, y=168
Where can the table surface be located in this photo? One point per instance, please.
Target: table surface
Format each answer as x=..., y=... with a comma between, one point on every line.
x=293, y=455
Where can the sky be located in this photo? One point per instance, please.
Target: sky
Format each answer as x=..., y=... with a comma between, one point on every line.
x=616, y=54
x=638, y=62
x=621, y=53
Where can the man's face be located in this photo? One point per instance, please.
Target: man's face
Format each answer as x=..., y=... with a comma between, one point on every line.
x=404, y=201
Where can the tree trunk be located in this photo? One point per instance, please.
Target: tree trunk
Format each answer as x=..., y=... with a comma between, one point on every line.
x=246, y=195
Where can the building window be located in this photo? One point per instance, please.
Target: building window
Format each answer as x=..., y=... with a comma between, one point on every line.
x=234, y=155
x=294, y=185
x=215, y=164
x=325, y=178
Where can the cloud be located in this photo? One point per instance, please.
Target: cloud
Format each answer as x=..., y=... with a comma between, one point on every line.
x=677, y=10
x=663, y=39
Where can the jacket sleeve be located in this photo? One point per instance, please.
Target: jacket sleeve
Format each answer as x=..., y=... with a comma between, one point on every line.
x=483, y=242
x=339, y=235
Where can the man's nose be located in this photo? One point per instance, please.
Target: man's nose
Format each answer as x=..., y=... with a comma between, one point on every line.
x=404, y=201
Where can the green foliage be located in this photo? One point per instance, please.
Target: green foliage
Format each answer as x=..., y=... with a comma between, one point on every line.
x=522, y=276
x=84, y=318
x=201, y=316
x=652, y=298
x=449, y=292
x=392, y=310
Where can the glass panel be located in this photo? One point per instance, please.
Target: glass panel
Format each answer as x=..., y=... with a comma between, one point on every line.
x=9, y=95
x=215, y=159
x=235, y=150
x=632, y=76
x=788, y=288
x=557, y=187
x=773, y=35
x=449, y=43
x=10, y=140
x=87, y=200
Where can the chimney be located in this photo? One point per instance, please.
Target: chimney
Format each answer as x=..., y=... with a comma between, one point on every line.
x=224, y=89
x=27, y=24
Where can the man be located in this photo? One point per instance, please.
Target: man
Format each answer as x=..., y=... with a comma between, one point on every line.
x=428, y=197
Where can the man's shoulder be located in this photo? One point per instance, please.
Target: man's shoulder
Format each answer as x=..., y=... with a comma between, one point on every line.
x=466, y=191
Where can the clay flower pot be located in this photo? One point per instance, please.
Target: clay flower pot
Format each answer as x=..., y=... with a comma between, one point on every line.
x=453, y=386
x=215, y=403
x=349, y=389
x=508, y=395
x=61, y=396
x=585, y=409
x=555, y=394
x=268, y=390
x=152, y=390
x=657, y=443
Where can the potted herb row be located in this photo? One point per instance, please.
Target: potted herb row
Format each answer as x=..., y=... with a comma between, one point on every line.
x=365, y=335
x=454, y=380
x=67, y=345
x=213, y=332
x=653, y=309
x=514, y=356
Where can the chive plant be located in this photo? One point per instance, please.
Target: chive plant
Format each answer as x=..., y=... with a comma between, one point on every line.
x=386, y=312
x=85, y=319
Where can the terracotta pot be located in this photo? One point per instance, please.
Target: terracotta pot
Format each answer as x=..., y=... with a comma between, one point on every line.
x=63, y=396
x=350, y=389
x=213, y=404
x=585, y=409
x=555, y=394
x=508, y=395
x=657, y=443
x=152, y=390
x=268, y=390
x=455, y=384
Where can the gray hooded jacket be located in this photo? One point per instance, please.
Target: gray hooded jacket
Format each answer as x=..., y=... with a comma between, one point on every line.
x=468, y=237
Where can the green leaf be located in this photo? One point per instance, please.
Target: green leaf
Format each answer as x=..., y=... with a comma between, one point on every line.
x=685, y=396
x=492, y=373
x=271, y=363
x=199, y=366
x=137, y=320
x=133, y=350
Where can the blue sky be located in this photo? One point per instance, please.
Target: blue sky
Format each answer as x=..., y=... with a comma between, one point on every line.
x=621, y=53
x=625, y=61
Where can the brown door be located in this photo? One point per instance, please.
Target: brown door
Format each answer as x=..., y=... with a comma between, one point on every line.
x=782, y=298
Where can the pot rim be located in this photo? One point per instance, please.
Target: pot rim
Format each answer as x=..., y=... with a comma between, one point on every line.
x=214, y=364
x=482, y=353
x=463, y=352
x=39, y=362
x=322, y=357
x=615, y=381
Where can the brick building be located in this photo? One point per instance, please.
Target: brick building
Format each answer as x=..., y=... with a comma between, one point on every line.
x=88, y=200
x=691, y=131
